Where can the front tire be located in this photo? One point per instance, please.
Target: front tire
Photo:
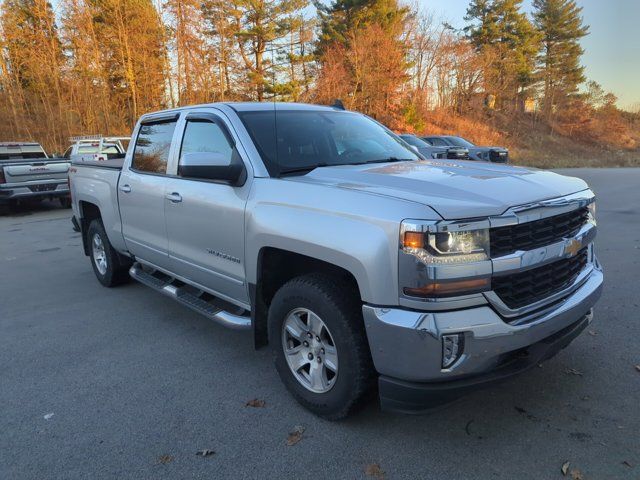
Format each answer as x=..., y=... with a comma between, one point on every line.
x=110, y=268
x=321, y=353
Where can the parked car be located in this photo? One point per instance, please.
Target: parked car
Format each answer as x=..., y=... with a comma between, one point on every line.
x=356, y=261
x=27, y=173
x=485, y=154
x=431, y=151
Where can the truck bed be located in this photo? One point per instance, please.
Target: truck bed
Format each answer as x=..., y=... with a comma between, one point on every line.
x=87, y=161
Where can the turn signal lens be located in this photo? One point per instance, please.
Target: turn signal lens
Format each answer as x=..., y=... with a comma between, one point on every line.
x=450, y=288
x=414, y=240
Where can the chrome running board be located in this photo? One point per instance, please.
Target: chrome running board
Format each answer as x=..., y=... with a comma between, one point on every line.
x=189, y=296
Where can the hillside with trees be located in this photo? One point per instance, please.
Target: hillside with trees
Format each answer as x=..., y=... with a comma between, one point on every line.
x=507, y=77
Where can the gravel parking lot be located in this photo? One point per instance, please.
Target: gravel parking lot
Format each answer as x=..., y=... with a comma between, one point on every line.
x=125, y=383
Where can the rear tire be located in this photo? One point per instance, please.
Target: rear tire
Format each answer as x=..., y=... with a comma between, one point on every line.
x=110, y=268
x=338, y=344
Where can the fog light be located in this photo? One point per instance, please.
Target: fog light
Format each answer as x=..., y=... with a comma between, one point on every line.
x=452, y=347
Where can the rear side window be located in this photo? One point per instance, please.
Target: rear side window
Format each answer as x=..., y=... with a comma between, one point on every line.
x=151, y=152
x=438, y=142
x=204, y=136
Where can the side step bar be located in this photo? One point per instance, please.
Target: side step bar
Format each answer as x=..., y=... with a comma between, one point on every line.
x=188, y=296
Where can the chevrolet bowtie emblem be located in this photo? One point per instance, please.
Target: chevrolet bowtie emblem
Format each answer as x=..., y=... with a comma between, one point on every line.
x=572, y=247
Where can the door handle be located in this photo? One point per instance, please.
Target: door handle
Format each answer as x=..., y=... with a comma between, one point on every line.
x=174, y=197
x=125, y=188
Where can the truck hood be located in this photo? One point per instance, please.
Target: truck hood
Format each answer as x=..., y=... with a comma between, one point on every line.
x=454, y=189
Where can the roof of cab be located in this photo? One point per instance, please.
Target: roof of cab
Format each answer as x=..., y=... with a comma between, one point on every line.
x=248, y=107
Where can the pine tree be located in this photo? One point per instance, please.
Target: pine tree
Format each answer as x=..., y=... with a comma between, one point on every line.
x=505, y=37
x=341, y=18
x=561, y=27
x=34, y=64
x=134, y=49
x=362, y=56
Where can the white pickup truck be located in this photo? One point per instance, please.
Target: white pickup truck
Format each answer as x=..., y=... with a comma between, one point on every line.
x=27, y=173
x=359, y=262
x=91, y=148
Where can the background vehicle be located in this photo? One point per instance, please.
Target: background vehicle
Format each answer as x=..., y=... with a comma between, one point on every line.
x=96, y=147
x=431, y=151
x=485, y=154
x=324, y=234
x=27, y=173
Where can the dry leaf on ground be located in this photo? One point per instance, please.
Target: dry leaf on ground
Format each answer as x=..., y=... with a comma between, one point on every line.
x=374, y=470
x=576, y=475
x=565, y=468
x=205, y=453
x=627, y=464
x=573, y=371
x=295, y=435
x=593, y=333
x=638, y=368
x=164, y=459
x=255, y=403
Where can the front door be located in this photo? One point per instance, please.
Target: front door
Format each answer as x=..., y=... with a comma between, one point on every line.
x=205, y=219
x=141, y=193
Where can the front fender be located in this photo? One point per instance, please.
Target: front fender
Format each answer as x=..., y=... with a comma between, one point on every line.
x=359, y=236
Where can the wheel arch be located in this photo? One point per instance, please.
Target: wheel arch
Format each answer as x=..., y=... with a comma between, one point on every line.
x=88, y=212
x=275, y=267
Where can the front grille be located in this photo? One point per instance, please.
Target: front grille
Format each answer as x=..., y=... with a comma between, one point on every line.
x=498, y=156
x=453, y=154
x=530, y=235
x=45, y=187
x=521, y=289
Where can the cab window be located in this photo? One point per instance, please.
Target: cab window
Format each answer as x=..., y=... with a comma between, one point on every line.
x=151, y=152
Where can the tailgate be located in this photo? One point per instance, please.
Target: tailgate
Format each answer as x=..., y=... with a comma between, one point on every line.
x=31, y=171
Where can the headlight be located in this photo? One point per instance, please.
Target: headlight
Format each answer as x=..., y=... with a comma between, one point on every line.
x=445, y=261
x=592, y=212
x=448, y=247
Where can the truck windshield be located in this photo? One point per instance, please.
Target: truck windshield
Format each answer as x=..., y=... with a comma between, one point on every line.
x=460, y=142
x=21, y=152
x=294, y=141
x=415, y=141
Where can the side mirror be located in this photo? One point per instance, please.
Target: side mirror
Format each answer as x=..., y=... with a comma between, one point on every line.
x=212, y=166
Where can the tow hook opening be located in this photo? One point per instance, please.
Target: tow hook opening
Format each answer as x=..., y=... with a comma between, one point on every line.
x=452, y=349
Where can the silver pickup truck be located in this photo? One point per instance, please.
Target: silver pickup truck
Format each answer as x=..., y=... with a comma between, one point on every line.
x=27, y=173
x=358, y=262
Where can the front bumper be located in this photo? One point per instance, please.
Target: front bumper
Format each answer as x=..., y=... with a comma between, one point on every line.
x=32, y=189
x=406, y=346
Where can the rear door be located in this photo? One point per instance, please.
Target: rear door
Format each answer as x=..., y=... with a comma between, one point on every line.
x=205, y=219
x=141, y=191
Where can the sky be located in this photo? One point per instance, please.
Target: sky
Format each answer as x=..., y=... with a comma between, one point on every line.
x=612, y=49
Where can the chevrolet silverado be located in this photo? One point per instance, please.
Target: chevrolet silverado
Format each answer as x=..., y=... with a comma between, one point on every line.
x=358, y=263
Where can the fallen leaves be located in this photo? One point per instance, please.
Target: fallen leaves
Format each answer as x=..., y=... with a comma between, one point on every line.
x=295, y=435
x=638, y=368
x=593, y=333
x=374, y=470
x=627, y=464
x=573, y=371
x=164, y=459
x=575, y=473
x=48, y=416
x=255, y=403
x=205, y=453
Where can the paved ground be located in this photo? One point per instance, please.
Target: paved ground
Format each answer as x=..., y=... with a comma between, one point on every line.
x=124, y=383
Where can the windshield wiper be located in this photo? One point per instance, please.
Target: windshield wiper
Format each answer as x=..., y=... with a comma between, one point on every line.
x=388, y=160
x=300, y=170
